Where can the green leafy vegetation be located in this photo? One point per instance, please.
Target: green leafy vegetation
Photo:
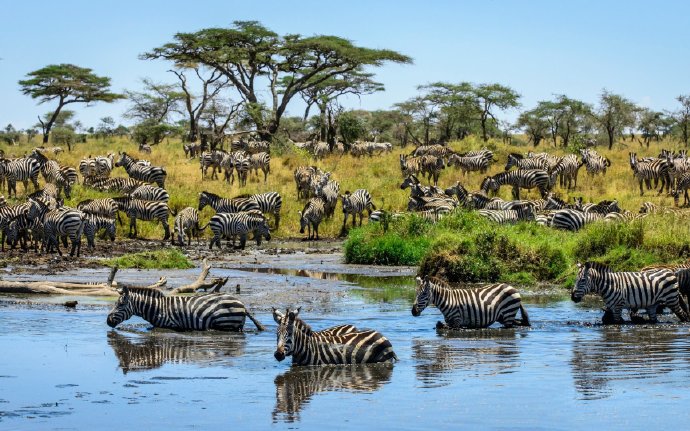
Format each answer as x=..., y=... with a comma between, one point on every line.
x=159, y=259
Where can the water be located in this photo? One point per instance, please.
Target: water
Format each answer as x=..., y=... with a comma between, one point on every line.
x=65, y=369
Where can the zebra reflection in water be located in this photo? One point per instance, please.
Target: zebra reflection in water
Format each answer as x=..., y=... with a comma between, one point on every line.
x=296, y=387
x=149, y=351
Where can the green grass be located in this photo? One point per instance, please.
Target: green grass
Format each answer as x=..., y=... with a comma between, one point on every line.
x=159, y=259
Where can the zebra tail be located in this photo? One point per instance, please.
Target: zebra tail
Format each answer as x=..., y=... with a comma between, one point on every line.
x=525, y=316
x=258, y=324
x=204, y=227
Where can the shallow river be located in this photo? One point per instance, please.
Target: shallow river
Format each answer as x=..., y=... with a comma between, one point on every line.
x=66, y=369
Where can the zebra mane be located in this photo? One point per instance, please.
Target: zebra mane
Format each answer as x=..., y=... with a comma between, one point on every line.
x=517, y=156
x=211, y=195
x=601, y=267
x=438, y=282
x=146, y=291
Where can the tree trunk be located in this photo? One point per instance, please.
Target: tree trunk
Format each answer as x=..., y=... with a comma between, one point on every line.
x=485, y=137
x=611, y=136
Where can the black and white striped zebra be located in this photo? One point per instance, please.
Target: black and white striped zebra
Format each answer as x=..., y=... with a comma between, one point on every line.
x=308, y=347
x=520, y=213
x=9, y=213
x=149, y=174
x=303, y=175
x=594, y=163
x=469, y=164
x=525, y=179
x=94, y=224
x=632, y=290
x=105, y=207
x=434, y=150
x=269, y=203
x=121, y=185
x=137, y=209
x=311, y=216
x=567, y=170
x=519, y=161
x=149, y=192
x=260, y=161
x=238, y=224
x=355, y=204
x=573, y=220
x=650, y=170
x=63, y=222
x=24, y=170
x=410, y=165
x=227, y=205
x=211, y=159
x=217, y=311
x=470, y=308
x=682, y=186
x=62, y=176
x=242, y=166
x=186, y=224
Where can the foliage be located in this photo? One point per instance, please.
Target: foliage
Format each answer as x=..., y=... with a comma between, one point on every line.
x=168, y=258
x=614, y=115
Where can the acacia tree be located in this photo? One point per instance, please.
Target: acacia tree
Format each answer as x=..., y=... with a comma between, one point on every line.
x=152, y=109
x=576, y=117
x=492, y=97
x=66, y=84
x=416, y=113
x=535, y=125
x=615, y=114
x=458, y=110
x=683, y=118
x=251, y=56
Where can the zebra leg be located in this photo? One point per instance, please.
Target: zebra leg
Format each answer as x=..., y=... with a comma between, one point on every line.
x=651, y=312
x=243, y=241
x=167, y=229
x=441, y=325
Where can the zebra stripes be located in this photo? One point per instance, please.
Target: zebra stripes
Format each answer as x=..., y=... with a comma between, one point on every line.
x=226, y=205
x=232, y=225
x=24, y=170
x=242, y=165
x=148, y=192
x=573, y=220
x=218, y=311
x=632, y=290
x=355, y=204
x=519, y=161
x=526, y=179
x=470, y=308
x=311, y=216
x=149, y=174
x=308, y=347
x=186, y=224
x=121, y=185
x=521, y=213
x=260, y=161
x=594, y=163
x=106, y=207
x=94, y=224
x=269, y=203
x=60, y=223
x=137, y=209
x=469, y=164
x=211, y=159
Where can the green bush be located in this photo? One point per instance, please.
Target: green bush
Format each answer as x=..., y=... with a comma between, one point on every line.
x=159, y=259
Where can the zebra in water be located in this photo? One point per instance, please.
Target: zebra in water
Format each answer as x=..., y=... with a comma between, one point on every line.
x=137, y=209
x=218, y=311
x=149, y=174
x=572, y=219
x=355, y=204
x=308, y=347
x=526, y=179
x=226, y=205
x=148, y=192
x=269, y=203
x=470, y=308
x=278, y=316
x=311, y=216
x=61, y=223
x=632, y=290
x=231, y=225
x=24, y=170
x=95, y=223
x=186, y=224
x=260, y=161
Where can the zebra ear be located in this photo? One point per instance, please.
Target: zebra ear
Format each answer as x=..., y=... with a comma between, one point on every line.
x=579, y=265
x=277, y=315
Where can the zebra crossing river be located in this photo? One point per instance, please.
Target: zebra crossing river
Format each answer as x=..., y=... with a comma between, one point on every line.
x=66, y=369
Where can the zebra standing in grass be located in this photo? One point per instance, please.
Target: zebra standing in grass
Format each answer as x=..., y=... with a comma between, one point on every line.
x=218, y=311
x=121, y=185
x=226, y=225
x=328, y=191
x=211, y=159
x=410, y=165
x=105, y=207
x=594, y=163
x=470, y=308
x=469, y=164
x=148, y=192
x=60, y=223
x=62, y=176
x=311, y=216
x=355, y=204
x=24, y=170
x=573, y=220
x=632, y=290
x=682, y=186
x=519, y=161
x=225, y=205
x=137, y=209
x=260, y=161
x=308, y=347
x=149, y=174
x=94, y=224
x=186, y=224
x=567, y=170
x=434, y=150
x=520, y=213
x=652, y=169
x=526, y=179
x=269, y=203
x=242, y=166
x=431, y=167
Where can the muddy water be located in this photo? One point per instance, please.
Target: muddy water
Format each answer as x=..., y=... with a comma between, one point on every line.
x=65, y=369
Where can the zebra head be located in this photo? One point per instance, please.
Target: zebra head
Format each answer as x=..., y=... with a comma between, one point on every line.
x=583, y=283
x=122, y=310
x=409, y=181
x=489, y=184
x=421, y=300
x=262, y=231
x=303, y=222
x=286, y=326
x=204, y=199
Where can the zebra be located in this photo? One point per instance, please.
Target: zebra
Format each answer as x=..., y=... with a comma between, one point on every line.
x=551, y=160
x=186, y=224
x=484, y=152
x=269, y=203
x=242, y=166
x=191, y=149
x=9, y=213
x=633, y=290
x=460, y=192
x=410, y=165
x=434, y=150
x=521, y=213
x=320, y=149
x=106, y=207
x=432, y=166
x=329, y=193
x=603, y=207
x=653, y=169
x=148, y=192
x=469, y=164
x=470, y=308
x=260, y=161
x=311, y=215
x=567, y=169
x=145, y=148
x=238, y=224
x=225, y=205
x=217, y=311
x=63, y=177
x=122, y=185
x=332, y=331
x=93, y=224
x=651, y=208
x=594, y=163
x=144, y=210
x=254, y=147
x=62, y=222
x=228, y=165
x=682, y=185
x=308, y=347
x=522, y=178
x=24, y=170
x=211, y=159
x=150, y=174
x=573, y=220
x=519, y=161
x=302, y=177
x=355, y=204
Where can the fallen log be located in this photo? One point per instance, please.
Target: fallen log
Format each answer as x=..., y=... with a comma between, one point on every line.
x=214, y=284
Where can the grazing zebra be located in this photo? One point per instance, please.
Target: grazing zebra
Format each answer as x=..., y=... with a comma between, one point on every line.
x=23, y=170
x=682, y=185
x=149, y=174
x=594, y=163
x=653, y=169
x=460, y=192
x=231, y=225
x=211, y=159
x=122, y=185
x=355, y=204
x=633, y=290
x=303, y=176
x=60, y=223
x=95, y=223
x=226, y=205
x=311, y=215
x=308, y=347
x=186, y=224
x=191, y=149
x=469, y=164
x=218, y=311
x=470, y=308
x=62, y=176
x=433, y=150
x=519, y=161
x=148, y=192
x=260, y=161
x=520, y=213
x=410, y=165
x=144, y=210
x=242, y=166
x=269, y=203
x=526, y=179
x=573, y=220
x=329, y=193
x=567, y=169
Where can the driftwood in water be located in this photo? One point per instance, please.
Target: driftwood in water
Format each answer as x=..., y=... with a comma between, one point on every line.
x=214, y=284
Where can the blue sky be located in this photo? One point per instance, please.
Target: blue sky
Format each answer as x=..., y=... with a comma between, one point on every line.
x=635, y=48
